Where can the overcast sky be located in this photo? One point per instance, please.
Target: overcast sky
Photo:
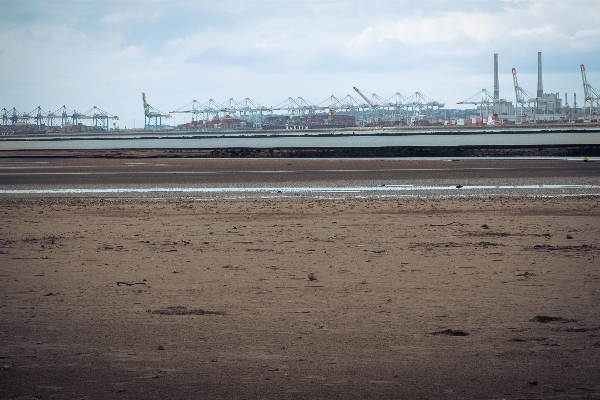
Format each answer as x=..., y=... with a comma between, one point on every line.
x=105, y=53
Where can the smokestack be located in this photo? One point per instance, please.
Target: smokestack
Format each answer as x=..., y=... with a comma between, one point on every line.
x=496, y=85
x=540, y=87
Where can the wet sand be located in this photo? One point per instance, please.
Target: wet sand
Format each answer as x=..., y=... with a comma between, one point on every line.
x=463, y=298
x=480, y=151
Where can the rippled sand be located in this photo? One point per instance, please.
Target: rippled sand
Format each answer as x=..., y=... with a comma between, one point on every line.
x=455, y=298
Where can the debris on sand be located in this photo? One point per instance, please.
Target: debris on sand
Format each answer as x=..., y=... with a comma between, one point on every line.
x=451, y=332
x=312, y=276
x=526, y=274
x=544, y=319
x=181, y=310
x=130, y=284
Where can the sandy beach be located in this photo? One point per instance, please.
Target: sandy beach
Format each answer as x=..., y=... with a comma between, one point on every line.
x=413, y=298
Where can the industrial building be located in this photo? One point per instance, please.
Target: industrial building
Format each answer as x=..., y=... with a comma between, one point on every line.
x=366, y=110
x=399, y=110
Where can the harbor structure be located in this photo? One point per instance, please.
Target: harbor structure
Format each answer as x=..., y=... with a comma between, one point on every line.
x=366, y=110
x=591, y=98
x=490, y=108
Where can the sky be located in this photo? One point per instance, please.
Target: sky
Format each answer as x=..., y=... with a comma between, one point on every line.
x=105, y=53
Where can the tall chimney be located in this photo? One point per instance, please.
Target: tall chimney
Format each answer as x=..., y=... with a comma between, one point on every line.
x=540, y=87
x=496, y=85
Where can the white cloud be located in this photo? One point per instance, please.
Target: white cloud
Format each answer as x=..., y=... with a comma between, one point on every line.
x=128, y=53
x=120, y=17
x=533, y=23
x=268, y=50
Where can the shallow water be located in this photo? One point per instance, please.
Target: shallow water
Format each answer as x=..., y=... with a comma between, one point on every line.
x=384, y=191
x=285, y=140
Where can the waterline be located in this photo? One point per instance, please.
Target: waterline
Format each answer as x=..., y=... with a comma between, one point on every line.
x=317, y=192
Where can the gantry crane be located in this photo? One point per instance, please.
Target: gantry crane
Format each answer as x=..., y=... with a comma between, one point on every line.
x=365, y=98
x=5, y=116
x=395, y=105
x=297, y=107
x=193, y=108
x=419, y=103
x=483, y=100
x=334, y=105
x=590, y=94
x=152, y=116
x=40, y=118
x=250, y=109
x=99, y=117
x=372, y=106
x=523, y=98
x=10, y=117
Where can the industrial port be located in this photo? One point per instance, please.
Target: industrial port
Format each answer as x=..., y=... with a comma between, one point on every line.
x=361, y=110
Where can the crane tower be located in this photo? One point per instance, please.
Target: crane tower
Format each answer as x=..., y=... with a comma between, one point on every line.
x=525, y=100
x=152, y=116
x=591, y=95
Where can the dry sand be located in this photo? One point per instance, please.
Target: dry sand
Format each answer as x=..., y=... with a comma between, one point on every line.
x=466, y=298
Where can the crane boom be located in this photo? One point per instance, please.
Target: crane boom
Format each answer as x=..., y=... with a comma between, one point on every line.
x=584, y=79
x=586, y=86
x=364, y=97
x=516, y=84
x=590, y=94
x=146, y=111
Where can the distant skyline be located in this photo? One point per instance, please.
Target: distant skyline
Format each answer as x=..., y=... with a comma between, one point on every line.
x=85, y=53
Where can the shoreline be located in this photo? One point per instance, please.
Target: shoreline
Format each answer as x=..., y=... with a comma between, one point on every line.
x=376, y=130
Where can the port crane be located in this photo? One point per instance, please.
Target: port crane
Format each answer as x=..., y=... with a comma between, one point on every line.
x=525, y=99
x=365, y=98
x=372, y=106
x=298, y=106
x=10, y=117
x=40, y=117
x=14, y=117
x=483, y=100
x=590, y=94
x=229, y=107
x=395, y=104
x=5, y=117
x=99, y=117
x=334, y=104
x=348, y=105
x=210, y=110
x=420, y=106
x=152, y=116
x=193, y=108
x=61, y=114
x=200, y=112
x=248, y=108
